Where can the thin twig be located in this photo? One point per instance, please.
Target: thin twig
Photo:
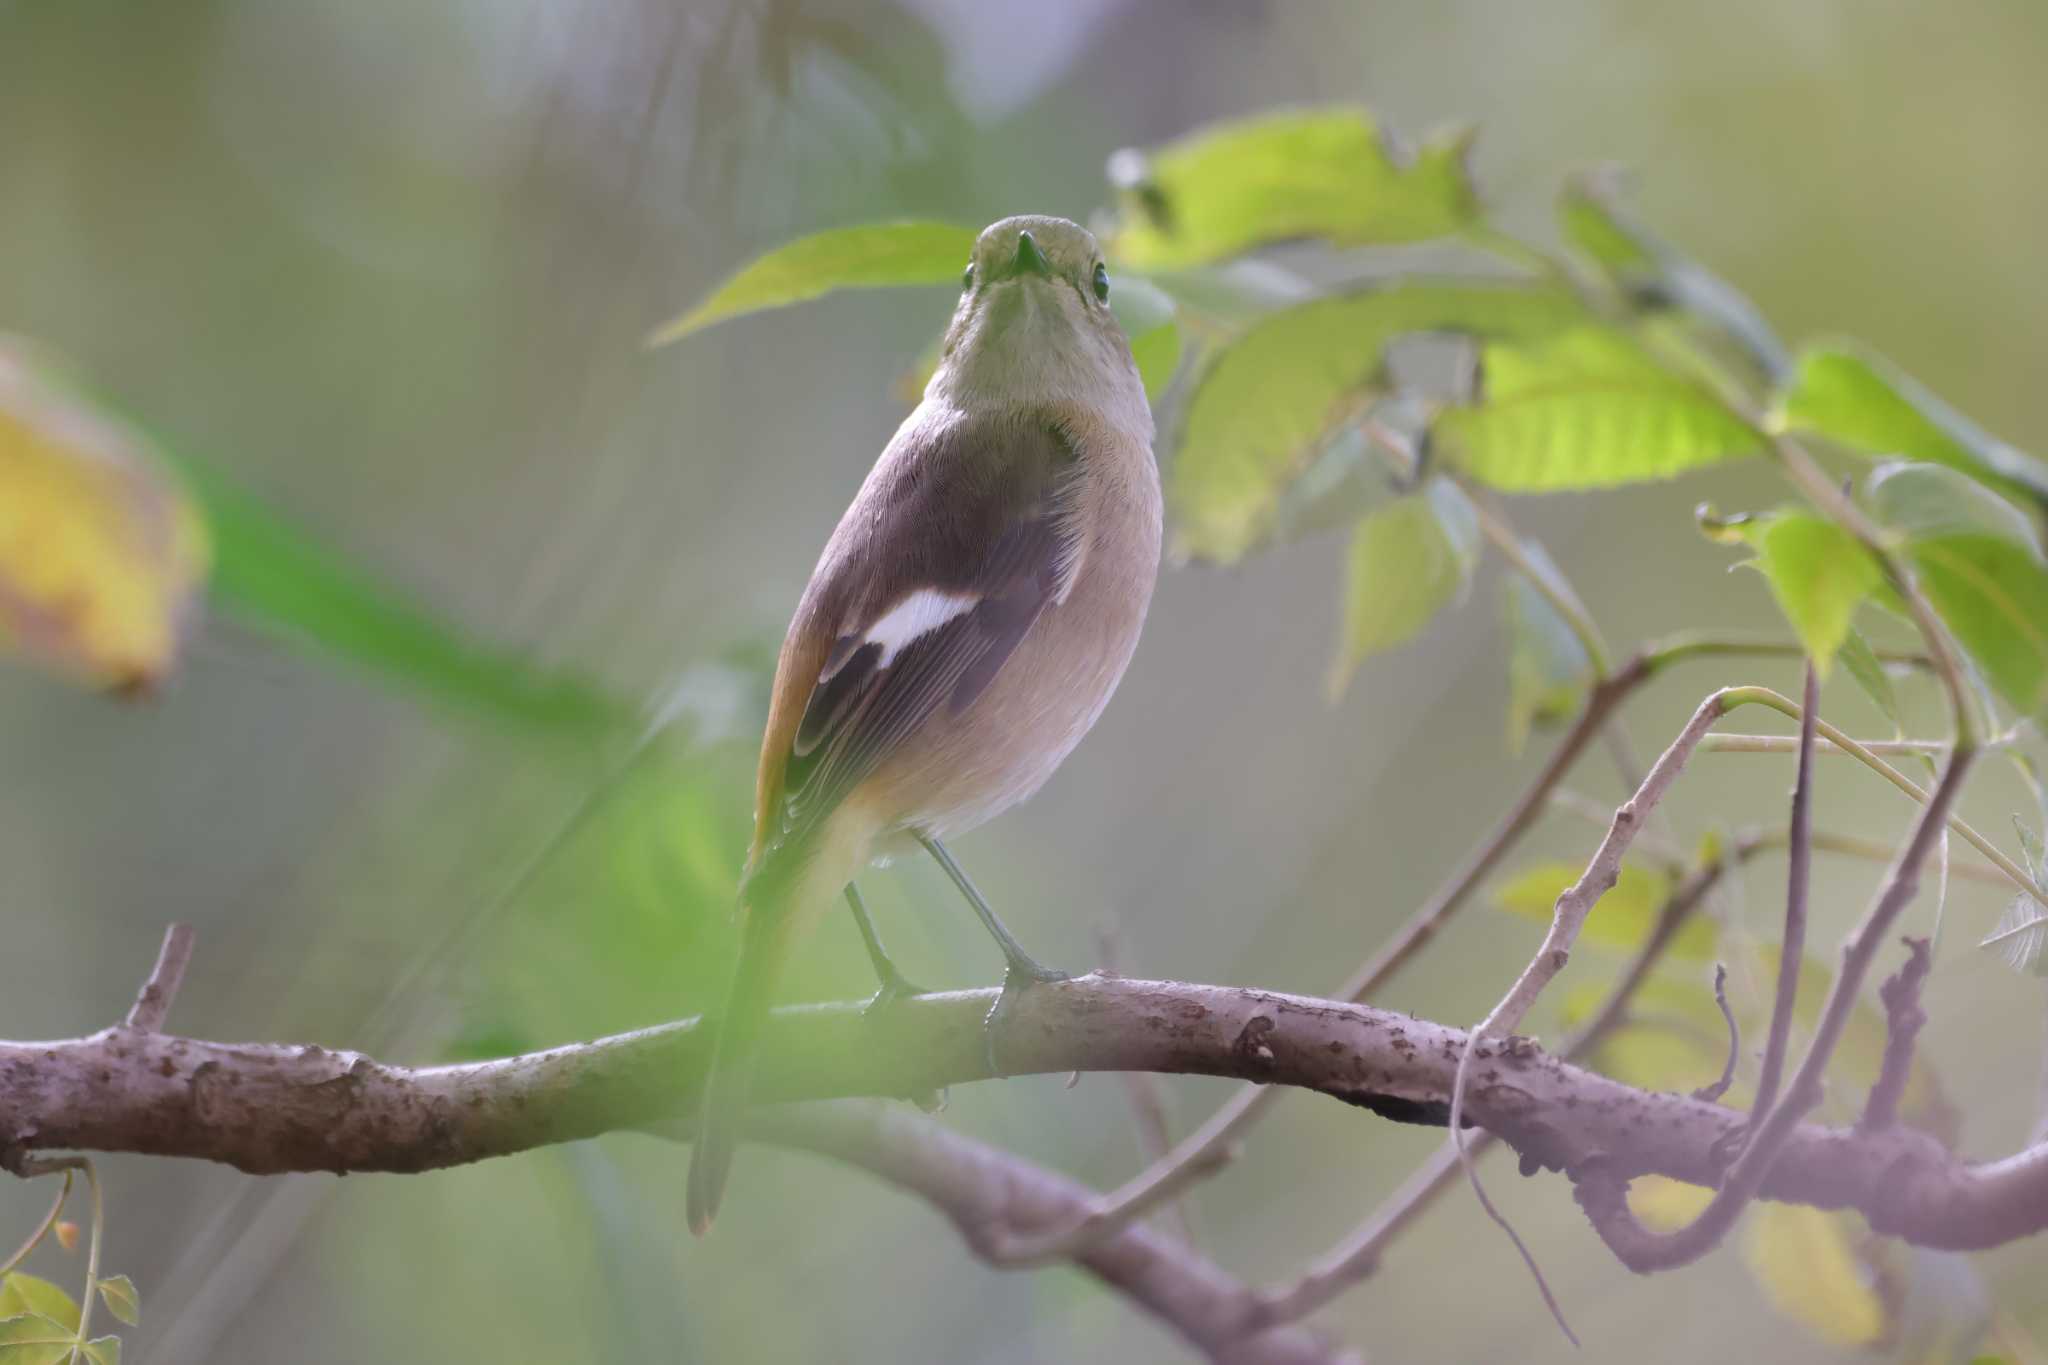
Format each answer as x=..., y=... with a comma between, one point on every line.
x=1213, y=1146
x=1147, y=1099
x=1603, y=1195
x=1904, y=1018
x=1567, y=917
x=1786, y=744
x=993, y=1196
x=153, y=1002
x=1713, y=1091
x=1798, y=880
x=1358, y=1254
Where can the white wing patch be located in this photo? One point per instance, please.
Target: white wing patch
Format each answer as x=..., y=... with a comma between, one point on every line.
x=920, y=613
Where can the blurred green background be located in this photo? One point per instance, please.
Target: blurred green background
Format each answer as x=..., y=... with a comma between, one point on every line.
x=387, y=268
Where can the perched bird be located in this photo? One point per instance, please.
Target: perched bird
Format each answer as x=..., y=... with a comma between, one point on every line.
x=965, y=625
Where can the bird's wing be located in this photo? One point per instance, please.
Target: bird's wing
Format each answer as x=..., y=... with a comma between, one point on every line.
x=962, y=537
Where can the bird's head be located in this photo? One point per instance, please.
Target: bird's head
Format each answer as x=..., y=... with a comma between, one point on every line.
x=1034, y=325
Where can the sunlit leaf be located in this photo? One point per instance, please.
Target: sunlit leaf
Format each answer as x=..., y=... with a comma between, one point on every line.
x=1409, y=559
x=1860, y=400
x=21, y=1293
x=1587, y=218
x=1806, y=1261
x=1548, y=667
x=1868, y=670
x=870, y=256
x=1993, y=594
x=32, y=1339
x=102, y=552
x=274, y=575
x=1655, y=274
x=1666, y=1205
x=103, y=1350
x=1587, y=408
x=1266, y=403
x=1319, y=173
x=1622, y=918
x=1933, y=500
x=1157, y=352
x=118, y=1292
x=1818, y=573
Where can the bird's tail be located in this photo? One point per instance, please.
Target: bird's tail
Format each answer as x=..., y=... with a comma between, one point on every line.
x=723, y=1109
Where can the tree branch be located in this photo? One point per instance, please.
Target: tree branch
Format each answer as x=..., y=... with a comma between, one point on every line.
x=991, y=1195
x=271, y=1108
x=160, y=989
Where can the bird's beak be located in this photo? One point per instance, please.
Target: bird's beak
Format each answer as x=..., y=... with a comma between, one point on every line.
x=1030, y=258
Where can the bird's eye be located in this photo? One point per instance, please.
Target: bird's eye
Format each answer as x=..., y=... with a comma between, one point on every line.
x=967, y=277
x=1101, y=282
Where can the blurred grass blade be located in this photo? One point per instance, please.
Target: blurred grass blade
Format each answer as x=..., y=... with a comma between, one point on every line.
x=102, y=552
x=1859, y=399
x=1587, y=408
x=871, y=256
x=270, y=573
x=1409, y=559
x=1316, y=173
x=1267, y=403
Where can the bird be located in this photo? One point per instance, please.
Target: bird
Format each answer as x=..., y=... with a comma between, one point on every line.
x=966, y=624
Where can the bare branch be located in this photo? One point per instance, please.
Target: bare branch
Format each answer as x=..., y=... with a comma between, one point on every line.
x=270, y=1108
x=992, y=1196
x=1602, y=1193
x=1147, y=1098
x=1798, y=878
x=153, y=1002
x=1904, y=1018
x=1719, y=1087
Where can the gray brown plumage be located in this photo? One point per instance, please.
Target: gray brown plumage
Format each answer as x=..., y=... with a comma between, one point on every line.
x=966, y=624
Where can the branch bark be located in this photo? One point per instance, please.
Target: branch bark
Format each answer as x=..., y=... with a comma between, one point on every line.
x=272, y=1108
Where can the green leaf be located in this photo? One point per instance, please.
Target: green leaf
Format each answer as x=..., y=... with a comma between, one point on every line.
x=1819, y=575
x=1993, y=595
x=1591, y=224
x=102, y=552
x=1624, y=916
x=103, y=1350
x=1267, y=403
x=118, y=1292
x=273, y=574
x=1318, y=173
x=1860, y=400
x=1808, y=1263
x=1933, y=500
x=1548, y=668
x=873, y=255
x=1409, y=558
x=1868, y=670
x=1586, y=408
x=1158, y=355
x=32, y=1339
x=21, y=1293
x=2021, y=936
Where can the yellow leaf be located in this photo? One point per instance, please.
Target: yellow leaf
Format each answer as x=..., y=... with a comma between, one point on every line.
x=101, y=552
x=1806, y=1261
x=1666, y=1205
x=1623, y=917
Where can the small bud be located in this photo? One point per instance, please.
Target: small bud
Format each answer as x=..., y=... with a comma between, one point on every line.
x=67, y=1234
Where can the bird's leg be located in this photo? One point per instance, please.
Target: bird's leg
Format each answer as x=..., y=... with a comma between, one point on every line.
x=1023, y=969
x=894, y=985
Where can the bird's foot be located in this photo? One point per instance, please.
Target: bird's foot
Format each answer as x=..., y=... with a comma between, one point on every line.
x=895, y=987
x=1022, y=975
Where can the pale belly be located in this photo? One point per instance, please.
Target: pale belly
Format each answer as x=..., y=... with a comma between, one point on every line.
x=1034, y=712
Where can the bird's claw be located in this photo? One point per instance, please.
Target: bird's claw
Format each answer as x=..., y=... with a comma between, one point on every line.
x=1020, y=977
